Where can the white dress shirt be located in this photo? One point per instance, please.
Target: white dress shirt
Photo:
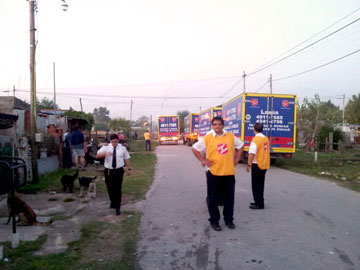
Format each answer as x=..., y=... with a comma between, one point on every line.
x=121, y=154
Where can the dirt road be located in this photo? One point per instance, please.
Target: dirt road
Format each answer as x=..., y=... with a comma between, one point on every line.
x=308, y=223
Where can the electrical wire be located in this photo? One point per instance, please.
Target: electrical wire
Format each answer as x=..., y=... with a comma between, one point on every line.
x=301, y=43
x=304, y=48
x=323, y=65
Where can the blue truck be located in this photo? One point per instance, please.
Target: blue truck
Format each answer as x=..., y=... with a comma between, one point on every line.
x=191, y=128
x=277, y=112
x=205, y=118
x=168, y=129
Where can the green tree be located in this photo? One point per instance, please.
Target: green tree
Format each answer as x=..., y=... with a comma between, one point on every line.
x=102, y=118
x=140, y=122
x=120, y=123
x=352, y=110
x=45, y=103
x=86, y=116
x=182, y=115
x=312, y=114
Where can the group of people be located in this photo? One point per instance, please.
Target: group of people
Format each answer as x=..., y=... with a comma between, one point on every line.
x=223, y=151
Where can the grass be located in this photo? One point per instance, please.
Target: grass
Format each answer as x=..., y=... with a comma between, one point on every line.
x=76, y=257
x=84, y=254
x=343, y=168
x=49, y=181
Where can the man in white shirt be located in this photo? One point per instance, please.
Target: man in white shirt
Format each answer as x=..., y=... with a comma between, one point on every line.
x=116, y=156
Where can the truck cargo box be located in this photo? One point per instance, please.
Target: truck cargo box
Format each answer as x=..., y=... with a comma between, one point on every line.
x=191, y=128
x=205, y=118
x=168, y=129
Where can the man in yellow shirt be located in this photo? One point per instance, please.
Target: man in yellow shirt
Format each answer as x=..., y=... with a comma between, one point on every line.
x=223, y=152
x=258, y=162
x=147, y=140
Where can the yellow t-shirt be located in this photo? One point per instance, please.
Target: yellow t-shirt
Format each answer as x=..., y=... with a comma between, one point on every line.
x=263, y=152
x=147, y=136
x=220, y=151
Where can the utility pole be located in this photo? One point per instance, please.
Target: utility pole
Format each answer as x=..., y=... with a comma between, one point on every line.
x=54, y=88
x=343, y=116
x=14, y=91
x=34, y=150
x=244, y=81
x=150, y=124
x=131, y=104
x=81, y=105
x=270, y=80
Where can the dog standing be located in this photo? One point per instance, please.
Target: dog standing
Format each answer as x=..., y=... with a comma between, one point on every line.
x=68, y=181
x=24, y=212
x=89, y=183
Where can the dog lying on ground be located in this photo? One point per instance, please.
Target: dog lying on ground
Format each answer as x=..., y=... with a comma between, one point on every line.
x=26, y=216
x=68, y=181
x=89, y=183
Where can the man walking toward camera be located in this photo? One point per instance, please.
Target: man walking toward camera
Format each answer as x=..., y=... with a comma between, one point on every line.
x=223, y=152
x=258, y=162
x=116, y=156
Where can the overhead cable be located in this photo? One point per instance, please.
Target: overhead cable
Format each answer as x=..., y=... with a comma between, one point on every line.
x=302, y=49
x=306, y=71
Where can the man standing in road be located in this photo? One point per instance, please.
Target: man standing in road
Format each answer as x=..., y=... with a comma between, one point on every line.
x=258, y=162
x=115, y=155
x=78, y=147
x=223, y=152
x=147, y=140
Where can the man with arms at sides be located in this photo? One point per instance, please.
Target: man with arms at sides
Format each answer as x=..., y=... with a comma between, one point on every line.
x=258, y=162
x=223, y=152
x=147, y=140
x=116, y=156
x=78, y=146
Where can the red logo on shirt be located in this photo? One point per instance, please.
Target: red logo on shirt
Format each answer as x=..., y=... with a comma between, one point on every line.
x=266, y=147
x=222, y=148
x=254, y=101
x=285, y=103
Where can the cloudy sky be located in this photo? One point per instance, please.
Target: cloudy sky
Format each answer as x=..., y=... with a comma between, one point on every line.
x=171, y=55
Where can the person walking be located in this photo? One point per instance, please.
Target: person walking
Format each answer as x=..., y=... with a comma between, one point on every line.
x=258, y=162
x=67, y=157
x=147, y=140
x=116, y=156
x=78, y=146
x=223, y=152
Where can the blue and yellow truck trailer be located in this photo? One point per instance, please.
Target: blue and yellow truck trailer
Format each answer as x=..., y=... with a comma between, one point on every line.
x=191, y=128
x=205, y=118
x=168, y=129
x=277, y=112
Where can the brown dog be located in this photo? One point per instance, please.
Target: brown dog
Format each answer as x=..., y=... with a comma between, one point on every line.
x=21, y=209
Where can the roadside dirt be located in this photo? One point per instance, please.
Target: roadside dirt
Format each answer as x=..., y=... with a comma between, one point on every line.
x=70, y=213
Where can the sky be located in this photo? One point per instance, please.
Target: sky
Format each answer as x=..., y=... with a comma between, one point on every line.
x=170, y=55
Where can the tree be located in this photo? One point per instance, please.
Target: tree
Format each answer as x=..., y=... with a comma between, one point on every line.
x=314, y=113
x=140, y=122
x=45, y=103
x=102, y=118
x=182, y=115
x=86, y=116
x=352, y=110
x=120, y=123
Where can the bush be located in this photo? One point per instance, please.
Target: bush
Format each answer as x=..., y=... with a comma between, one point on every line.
x=324, y=133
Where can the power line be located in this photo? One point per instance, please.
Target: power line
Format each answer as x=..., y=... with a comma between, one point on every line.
x=302, y=49
x=333, y=61
x=301, y=43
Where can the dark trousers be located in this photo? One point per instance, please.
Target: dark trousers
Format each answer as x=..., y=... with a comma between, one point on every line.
x=147, y=145
x=257, y=184
x=67, y=157
x=227, y=185
x=113, y=180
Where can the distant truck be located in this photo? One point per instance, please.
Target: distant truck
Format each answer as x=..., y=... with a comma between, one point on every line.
x=276, y=112
x=191, y=128
x=205, y=118
x=168, y=129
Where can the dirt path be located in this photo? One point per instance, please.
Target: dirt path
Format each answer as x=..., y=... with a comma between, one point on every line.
x=70, y=213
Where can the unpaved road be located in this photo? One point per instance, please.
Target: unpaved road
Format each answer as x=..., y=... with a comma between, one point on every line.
x=308, y=223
